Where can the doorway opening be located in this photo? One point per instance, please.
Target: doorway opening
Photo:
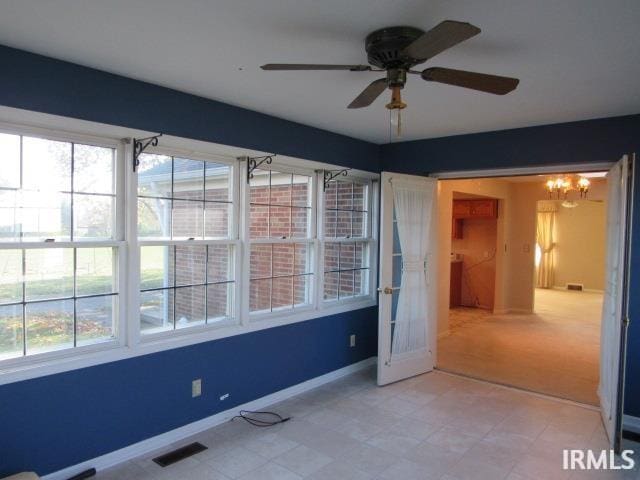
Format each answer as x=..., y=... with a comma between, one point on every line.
x=523, y=268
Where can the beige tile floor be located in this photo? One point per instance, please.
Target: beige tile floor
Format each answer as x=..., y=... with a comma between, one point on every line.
x=434, y=426
x=554, y=350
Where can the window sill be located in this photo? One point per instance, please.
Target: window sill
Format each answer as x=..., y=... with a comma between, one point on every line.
x=67, y=360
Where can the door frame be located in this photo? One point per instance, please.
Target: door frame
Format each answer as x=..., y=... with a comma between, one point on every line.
x=571, y=168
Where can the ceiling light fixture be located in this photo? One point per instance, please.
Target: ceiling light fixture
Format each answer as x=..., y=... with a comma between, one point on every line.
x=563, y=184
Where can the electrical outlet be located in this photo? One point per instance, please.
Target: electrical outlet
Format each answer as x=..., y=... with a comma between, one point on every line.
x=196, y=388
x=352, y=341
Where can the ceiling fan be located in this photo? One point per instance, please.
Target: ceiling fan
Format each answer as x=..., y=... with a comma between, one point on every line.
x=396, y=50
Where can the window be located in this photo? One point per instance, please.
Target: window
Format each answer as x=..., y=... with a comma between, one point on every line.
x=187, y=240
x=347, y=242
x=281, y=237
x=60, y=245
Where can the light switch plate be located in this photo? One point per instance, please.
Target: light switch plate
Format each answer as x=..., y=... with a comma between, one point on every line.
x=352, y=341
x=196, y=388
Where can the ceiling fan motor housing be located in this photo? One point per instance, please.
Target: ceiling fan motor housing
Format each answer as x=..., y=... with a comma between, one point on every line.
x=385, y=47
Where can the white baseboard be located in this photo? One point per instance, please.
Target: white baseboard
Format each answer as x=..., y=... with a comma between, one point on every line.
x=150, y=444
x=631, y=423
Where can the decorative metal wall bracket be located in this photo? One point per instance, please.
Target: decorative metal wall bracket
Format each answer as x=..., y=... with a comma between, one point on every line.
x=331, y=174
x=140, y=145
x=255, y=162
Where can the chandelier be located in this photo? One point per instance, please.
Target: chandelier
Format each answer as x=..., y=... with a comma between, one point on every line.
x=563, y=184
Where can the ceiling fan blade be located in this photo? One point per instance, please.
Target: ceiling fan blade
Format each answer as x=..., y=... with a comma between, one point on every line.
x=475, y=81
x=440, y=38
x=369, y=94
x=312, y=66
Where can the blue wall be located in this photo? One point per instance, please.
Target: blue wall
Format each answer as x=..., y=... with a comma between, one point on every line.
x=56, y=421
x=42, y=84
x=587, y=141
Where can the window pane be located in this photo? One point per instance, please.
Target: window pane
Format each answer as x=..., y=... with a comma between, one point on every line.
x=331, y=285
x=302, y=259
x=219, y=302
x=49, y=326
x=154, y=218
x=331, y=195
x=188, y=178
x=187, y=219
x=347, y=256
x=46, y=164
x=49, y=273
x=11, y=331
x=302, y=290
x=362, y=255
x=279, y=222
x=219, y=264
x=343, y=224
x=9, y=215
x=361, y=282
x=190, y=265
x=189, y=306
x=93, y=216
x=217, y=182
x=359, y=196
x=10, y=161
x=156, y=311
x=216, y=220
x=46, y=215
x=330, y=223
x=358, y=225
x=282, y=259
x=345, y=195
x=260, y=295
x=10, y=276
x=282, y=293
x=94, y=319
x=260, y=261
x=95, y=271
x=331, y=257
x=156, y=267
x=259, y=187
x=259, y=221
x=346, y=284
x=301, y=191
x=154, y=175
x=280, y=192
x=300, y=222
x=93, y=169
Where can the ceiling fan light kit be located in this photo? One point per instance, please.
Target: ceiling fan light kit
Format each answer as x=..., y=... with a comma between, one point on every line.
x=396, y=50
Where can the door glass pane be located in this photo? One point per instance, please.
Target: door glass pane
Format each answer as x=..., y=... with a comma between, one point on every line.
x=49, y=326
x=49, y=273
x=95, y=319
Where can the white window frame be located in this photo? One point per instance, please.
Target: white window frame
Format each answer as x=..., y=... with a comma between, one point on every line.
x=118, y=243
x=293, y=314
x=129, y=343
x=371, y=239
x=135, y=333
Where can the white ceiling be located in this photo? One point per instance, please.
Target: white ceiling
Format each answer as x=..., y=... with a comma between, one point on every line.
x=576, y=59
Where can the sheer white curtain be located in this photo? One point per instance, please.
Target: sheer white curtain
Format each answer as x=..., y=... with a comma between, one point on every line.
x=545, y=239
x=611, y=306
x=413, y=216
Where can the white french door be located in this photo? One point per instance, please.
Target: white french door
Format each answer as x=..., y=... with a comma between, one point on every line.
x=407, y=294
x=616, y=296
